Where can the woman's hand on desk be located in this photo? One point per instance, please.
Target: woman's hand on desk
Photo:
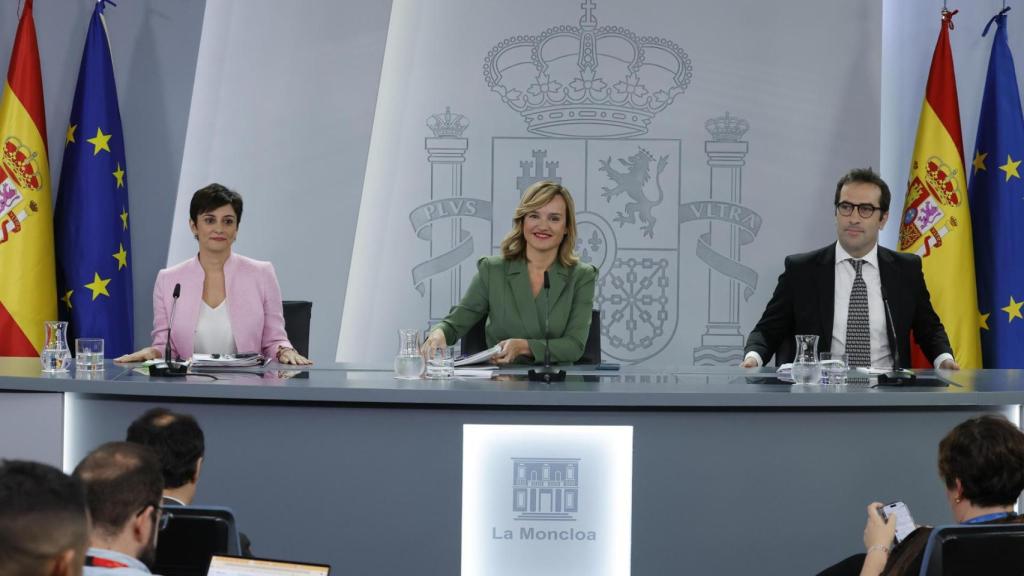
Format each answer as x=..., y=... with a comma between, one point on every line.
x=433, y=342
x=148, y=353
x=291, y=356
x=511, y=349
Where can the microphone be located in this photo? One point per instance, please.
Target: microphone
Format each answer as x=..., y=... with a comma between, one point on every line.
x=547, y=319
x=174, y=306
x=547, y=374
x=897, y=376
x=169, y=367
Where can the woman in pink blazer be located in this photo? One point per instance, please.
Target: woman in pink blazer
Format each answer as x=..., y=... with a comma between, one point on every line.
x=228, y=303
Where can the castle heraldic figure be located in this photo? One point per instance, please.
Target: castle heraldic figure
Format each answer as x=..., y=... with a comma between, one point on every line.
x=841, y=292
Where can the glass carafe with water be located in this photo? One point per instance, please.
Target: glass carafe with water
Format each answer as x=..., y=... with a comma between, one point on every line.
x=806, y=369
x=409, y=362
x=55, y=355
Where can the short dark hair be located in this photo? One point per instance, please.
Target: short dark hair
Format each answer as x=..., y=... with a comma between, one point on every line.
x=176, y=439
x=121, y=479
x=42, y=514
x=211, y=197
x=865, y=176
x=986, y=454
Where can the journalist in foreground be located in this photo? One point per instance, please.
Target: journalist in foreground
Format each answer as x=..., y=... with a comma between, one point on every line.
x=981, y=464
x=509, y=290
x=858, y=297
x=228, y=303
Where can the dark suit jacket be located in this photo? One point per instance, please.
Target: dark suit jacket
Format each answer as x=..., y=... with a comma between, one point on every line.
x=804, y=299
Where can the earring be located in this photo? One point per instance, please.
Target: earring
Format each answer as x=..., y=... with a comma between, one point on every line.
x=196, y=236
x=958, y=500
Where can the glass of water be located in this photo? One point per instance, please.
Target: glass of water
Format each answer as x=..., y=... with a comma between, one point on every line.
x=441, y=363
x=88, y=354
x=833, y=368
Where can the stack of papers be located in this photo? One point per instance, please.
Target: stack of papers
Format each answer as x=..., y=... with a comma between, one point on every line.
x=479, y=357
x=227, y=360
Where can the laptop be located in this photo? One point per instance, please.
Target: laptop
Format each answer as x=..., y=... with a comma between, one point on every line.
x=223, y=565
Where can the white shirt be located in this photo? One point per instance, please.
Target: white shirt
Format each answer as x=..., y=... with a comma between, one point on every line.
x=881, y=354
x=213, y=330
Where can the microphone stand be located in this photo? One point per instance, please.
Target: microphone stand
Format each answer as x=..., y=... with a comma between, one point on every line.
x=897, y=376
x=546, y=374
x=170, y=367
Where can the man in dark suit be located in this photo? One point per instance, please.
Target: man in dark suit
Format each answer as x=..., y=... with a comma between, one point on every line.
x=179, y=443
x=841, y=292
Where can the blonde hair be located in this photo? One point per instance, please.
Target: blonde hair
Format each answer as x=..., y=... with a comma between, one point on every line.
x=514, y=244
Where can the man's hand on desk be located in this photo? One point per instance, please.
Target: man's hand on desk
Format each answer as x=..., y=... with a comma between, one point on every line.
x=948, y=364
x=749, y=363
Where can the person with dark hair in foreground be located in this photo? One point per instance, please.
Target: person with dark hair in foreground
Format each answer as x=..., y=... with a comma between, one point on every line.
x=44, y=526
x=226, y=303
x=123, y=488
x=841, y=292
x=981, y=464
x=180, y=446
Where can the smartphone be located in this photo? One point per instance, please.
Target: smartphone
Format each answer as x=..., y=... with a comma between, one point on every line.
x=904, y=521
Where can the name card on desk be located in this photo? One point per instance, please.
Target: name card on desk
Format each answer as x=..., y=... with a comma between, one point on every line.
x=546, y=500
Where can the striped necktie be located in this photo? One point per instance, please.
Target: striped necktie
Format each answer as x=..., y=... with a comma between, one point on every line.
x=858, y=335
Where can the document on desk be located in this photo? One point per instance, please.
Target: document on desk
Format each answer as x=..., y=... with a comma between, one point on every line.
x=476, y=372
x=227, y=360
x=479, y=357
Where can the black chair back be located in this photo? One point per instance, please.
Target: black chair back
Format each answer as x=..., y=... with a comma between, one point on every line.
x=474, y=341
x=193, y=535
x=990, y=549
x=296, y=323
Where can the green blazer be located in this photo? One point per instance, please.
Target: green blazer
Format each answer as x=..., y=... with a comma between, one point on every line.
x=500, y=291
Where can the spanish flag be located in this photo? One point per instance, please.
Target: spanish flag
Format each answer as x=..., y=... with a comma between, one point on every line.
x=936, y=222
x=28, y=286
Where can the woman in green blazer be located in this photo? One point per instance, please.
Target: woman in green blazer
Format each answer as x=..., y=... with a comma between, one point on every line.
x=509, y=289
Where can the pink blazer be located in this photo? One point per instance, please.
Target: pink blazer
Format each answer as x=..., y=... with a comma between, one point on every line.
x=254, y=306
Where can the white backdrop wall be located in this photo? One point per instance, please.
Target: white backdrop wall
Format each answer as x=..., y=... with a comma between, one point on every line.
x=803, y=80
x=282, y=108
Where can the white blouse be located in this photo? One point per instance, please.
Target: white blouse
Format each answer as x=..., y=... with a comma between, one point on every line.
x=213, y=330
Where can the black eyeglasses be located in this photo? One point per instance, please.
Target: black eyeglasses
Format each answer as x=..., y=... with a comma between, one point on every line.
x=865, y=210
x=163, y=516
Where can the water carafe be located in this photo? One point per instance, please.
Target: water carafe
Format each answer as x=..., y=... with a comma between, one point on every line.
x=806, y=369
x=55, y=355
x=409, y=363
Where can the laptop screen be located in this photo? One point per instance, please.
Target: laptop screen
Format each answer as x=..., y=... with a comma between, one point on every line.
x=235, y=566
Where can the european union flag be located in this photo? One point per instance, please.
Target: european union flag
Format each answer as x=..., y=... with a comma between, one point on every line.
x=94, y=277
x=997, y=210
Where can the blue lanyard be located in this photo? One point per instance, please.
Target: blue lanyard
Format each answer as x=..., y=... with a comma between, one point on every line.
x=989, y=517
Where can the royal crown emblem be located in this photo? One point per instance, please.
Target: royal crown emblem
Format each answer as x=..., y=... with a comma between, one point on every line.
x=19, y=163
x=939, y=176
x=587, y=81
x=447, y=125
x=726, y=128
